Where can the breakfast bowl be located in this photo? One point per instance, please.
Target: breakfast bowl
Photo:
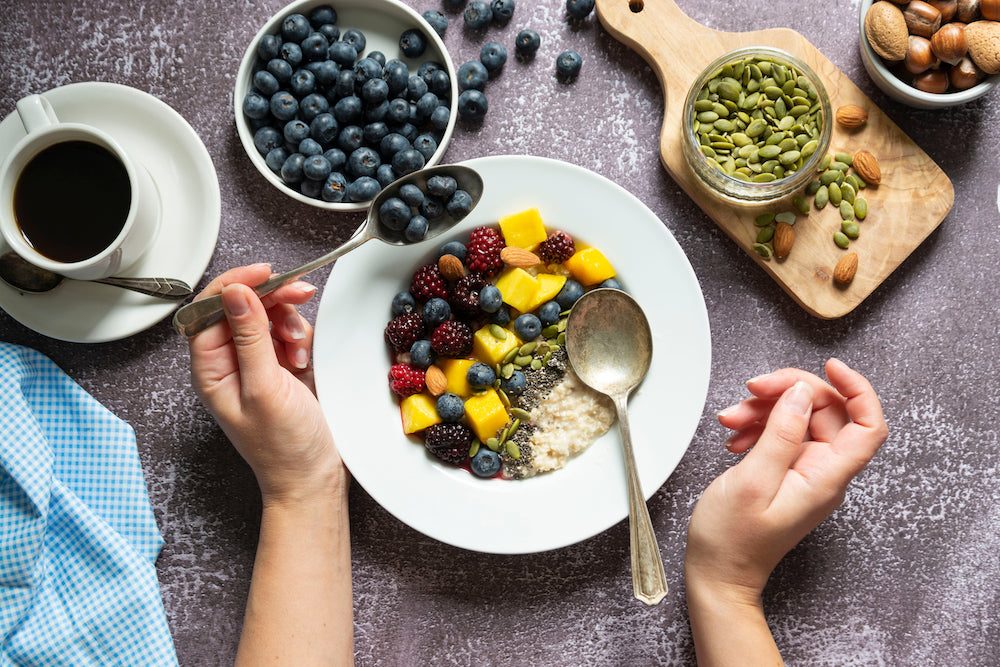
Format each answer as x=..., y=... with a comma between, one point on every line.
x=896, y=78
x=302, y=123
x=755, y=123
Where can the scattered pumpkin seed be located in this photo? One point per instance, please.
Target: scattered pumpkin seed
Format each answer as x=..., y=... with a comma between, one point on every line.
x=801, y=203
x=509, y=357
x=548, y=332
x=763, y=250
x=507, y=371
x=561, y=338
x=850, y=229
x=822, y=197
x=527, y=348
x=493, y=443
x=522, y=360
x=846, y=210
x=848, y=192
x=764, y=219
x=840, y=238
x=836, y=196
x=845, y=158
x=518, y=413
x=536, y=364
x=824, y=164
x=474, y=448
x=860, y=208
x=829, y=176
x=765, y=234
x=786, y=217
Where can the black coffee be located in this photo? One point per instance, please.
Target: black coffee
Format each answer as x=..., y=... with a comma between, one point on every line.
x=71, y=200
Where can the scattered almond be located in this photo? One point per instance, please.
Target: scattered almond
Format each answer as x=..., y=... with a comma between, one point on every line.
x=867, y=167
x=844, y=272
x=784, y=237
x=451, y=267
x=435, y=379
x=851, y=116
x=518, y=257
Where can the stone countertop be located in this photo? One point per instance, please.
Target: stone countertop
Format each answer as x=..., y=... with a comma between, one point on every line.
x=903, y=573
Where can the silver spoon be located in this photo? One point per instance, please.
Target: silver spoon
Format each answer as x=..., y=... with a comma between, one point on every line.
x=609, y=347
x=21, y=274
x=199, y=315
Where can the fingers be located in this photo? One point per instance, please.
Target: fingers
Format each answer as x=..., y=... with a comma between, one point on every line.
x=294, y=335
x=251, y=336
x=858, y=441
x=251, y=275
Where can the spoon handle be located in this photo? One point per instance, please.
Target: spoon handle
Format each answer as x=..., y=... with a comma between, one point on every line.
x=649, y=583
x=164, y=288
x=197, y=316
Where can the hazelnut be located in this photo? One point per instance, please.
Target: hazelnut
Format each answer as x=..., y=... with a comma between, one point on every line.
x=885, y=29
x=990, y=9
x=919, y=55
x=932, y=81
x=946, y=7
x=949, y=43
x=921, y=18
x=967, y=11
x=965, y=74
x=983, y=38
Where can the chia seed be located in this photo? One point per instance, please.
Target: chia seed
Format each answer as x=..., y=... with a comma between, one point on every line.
x=539, y=384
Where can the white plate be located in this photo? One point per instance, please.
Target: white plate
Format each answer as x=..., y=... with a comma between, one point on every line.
x=554, y=509
x=157, y=137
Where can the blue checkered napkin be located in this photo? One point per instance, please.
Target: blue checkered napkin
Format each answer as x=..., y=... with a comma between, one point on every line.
x=77, y=534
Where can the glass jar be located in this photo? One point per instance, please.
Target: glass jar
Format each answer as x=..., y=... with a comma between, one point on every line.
x=775, y=102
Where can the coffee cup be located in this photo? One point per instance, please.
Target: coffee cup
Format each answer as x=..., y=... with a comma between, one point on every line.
x=71, y=200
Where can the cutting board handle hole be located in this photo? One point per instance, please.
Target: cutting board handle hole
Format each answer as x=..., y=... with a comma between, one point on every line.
x=635, y=6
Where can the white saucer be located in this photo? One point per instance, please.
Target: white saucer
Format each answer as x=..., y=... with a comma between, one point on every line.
x=157, y=137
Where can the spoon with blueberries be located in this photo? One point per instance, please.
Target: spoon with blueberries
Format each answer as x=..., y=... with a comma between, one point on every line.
x=417, y=207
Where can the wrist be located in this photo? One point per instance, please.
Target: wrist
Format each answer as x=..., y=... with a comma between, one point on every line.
x=322, y=485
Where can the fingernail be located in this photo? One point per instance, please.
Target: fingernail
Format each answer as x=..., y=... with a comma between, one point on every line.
x=728, y=411
x=300, y=358
x=799, y=398
x=234, y=301
x=260, y=264
x=294, y=327
x=306, y=288
x=757, y=378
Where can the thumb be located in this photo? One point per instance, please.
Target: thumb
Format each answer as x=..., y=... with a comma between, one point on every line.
x=251, y=335
x=781, y=441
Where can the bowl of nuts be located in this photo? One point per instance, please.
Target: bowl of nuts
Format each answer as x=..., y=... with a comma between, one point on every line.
x=934, y=54
x=335, y=101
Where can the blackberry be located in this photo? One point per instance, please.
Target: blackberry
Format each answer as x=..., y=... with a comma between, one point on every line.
x=465, y=294
x=558, y=247
x=449, y=442
x=483, y=251
x=452, y=338
x=403, y=331
x=428, y=283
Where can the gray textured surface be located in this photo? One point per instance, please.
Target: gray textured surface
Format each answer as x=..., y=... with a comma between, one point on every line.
x=904, y=573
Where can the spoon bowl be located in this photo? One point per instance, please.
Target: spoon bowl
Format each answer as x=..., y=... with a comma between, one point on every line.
x=610, y=348
x=198, y=315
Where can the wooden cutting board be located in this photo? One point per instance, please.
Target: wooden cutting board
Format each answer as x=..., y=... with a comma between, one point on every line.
x=913, y=199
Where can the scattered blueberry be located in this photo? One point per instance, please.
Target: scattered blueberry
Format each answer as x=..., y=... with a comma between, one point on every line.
x=568, y=295
x=568, y=64
x=416, y=229
x=403, y=303
x=450, y=407
x=421, y=353
x=480, y=375
x=363, y=189
x=493, y=56
x=472, y=105
x=266, y=139
x=456, y=248
x=503, y=10
x=515, y=384
x=459, y=205
x=477, y=14
x=472, y=75
x=437, y=20
x=412, y=43
x=548, y=313
x=436, y=311
x=490, y=299
x=579, y=9
x=394, y=214
x=528, y=326
x=486, y=462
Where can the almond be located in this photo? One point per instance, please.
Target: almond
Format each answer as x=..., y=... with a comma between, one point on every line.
x=435, y=380
x=518, y=257
x=851, y=116
x=867, y=167
x=451, y=267
x=844, y=272
x=784, y=237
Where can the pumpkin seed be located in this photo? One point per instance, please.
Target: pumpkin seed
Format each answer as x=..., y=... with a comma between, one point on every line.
x=829, y=176
x=762, y=250
x=548, y=332
x=518, y=413
x=512, y=450
x=765, y=234
x=561, y=338
x=822, y=197
x=845, y=158
x=536, y=364
x=764, y=219
x=507, y=371
x=498, y=332
x=850, y=229
x=836, y=196
x=840, y=238
x=846, y=210
x=493, y=443
x=860, y=208
x=474, y=448
x=824, y=164
x=839, y=166
x=509, y=357
x=813, y=187
x=528, y=348
x=801, y=203
x=786, y=217
x=503, y=396
x=522, y=360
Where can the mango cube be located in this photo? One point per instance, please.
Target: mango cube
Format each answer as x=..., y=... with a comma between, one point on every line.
x=418, y=412
x=489, y=349
x=549, y=285
x=589, y=266
x=524, y=229
x=518, y=288
x=454, y=372
x=486, y=414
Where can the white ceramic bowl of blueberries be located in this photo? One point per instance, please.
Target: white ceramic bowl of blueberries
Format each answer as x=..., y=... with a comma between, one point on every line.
x=333, y=101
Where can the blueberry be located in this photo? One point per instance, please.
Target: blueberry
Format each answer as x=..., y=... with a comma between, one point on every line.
x=440, y=117
x=375, y=132
x=568, y=64
x=528, y=326
x=266, y=139
x=477, y=14
x=291, y=53
x=493, y=56
x=411, y=194
x=348, y=110
x=501, y=317
x=392, y=144
x=396, y=75
x=453, y=5
x=337, y=158
x=440, y=83
x=295, y=28
x=385, y=175
x=295, y=131
x=426, y=105
x=350, y=139
x=515, y=384
x=472, y=75
x=334, y=188
x=579, y=9
x=256, y=106
x=432, y=208
x=378, y=57
x=436, y=311
x=363, y=189
x=374, y=92
x=366, y=69
x=355, y=38
x=322, y=15
x=548, y=313
x=265, y=83
x=527, y=42
x=456, y=248
x=568, y=295
x=324, y=128
x=416, y=88
x=442, y=186
x=330, y=31
x=612, y=283
x=450, y=407
x=503, y=10
x=402, y=304
x=426, y=145
x=409, y=131
x=316, y=168
x=311, y=188
x=426, y=70
x=486, y=462
x=437, y=20
x=284, y=106
x=394, y=214
x=268, y=47
x=314, y=47
x=344, y=86
x=398, y=112
x=377, y=112
x=416, y=229
x=313, y=105
x=280, y=70
x=291, y=171
x=480, y=375
x=342, y=53
x=490, y=299
x=412, y=43
x=408, y=161
x=459, y=205
x=472, y=105
x=363, y=162
x=302, y=83
x=310, y=147
x=275, y=158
